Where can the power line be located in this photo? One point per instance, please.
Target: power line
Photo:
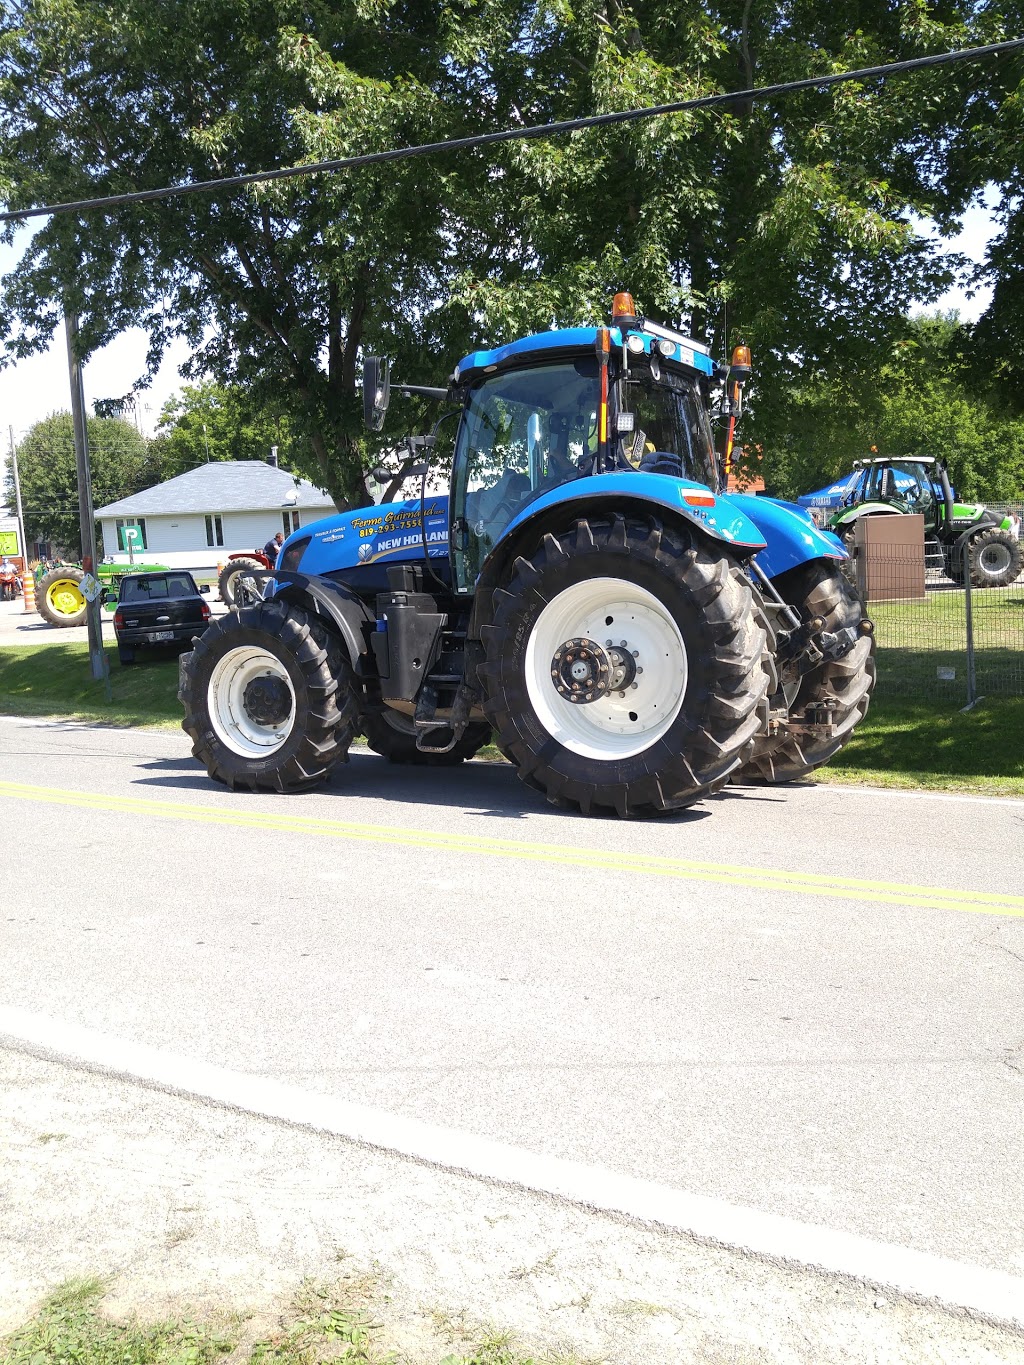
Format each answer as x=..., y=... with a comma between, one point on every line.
x=541, y=130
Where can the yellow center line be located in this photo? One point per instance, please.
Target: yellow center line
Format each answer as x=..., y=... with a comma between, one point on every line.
x=646, y=864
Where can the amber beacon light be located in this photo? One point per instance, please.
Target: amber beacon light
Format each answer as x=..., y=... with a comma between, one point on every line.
x=623, y=310
x=740, y=366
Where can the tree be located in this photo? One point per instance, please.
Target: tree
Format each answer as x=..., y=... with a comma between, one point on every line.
x=210, y=421
x=120, y=465
x=789, y=222
x=921, y=400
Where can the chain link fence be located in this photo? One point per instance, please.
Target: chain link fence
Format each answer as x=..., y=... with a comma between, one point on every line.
x=938, y=634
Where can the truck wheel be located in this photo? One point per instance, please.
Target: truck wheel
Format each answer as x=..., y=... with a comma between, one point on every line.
x=270, y=699
x=59, y=599
x=994, y=557
x=624, y=667
x=392, y=734
x=818, y=588
x=232, y=569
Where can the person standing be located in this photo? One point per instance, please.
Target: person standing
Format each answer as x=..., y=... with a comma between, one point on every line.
x=272, y=546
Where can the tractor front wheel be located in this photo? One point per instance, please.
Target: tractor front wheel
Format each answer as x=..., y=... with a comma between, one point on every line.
x=624, y=667
x=270, y=699
x=842, y=686
x=233, y=570
x=59, y=598
x=392, y=734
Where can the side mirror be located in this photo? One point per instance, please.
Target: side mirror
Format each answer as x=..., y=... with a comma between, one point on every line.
x=204, y=587
x=376, y=391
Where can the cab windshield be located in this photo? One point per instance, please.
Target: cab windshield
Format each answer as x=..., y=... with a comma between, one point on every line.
x=671, y=433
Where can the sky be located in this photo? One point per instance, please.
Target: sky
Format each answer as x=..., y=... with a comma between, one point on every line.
x=32, y=389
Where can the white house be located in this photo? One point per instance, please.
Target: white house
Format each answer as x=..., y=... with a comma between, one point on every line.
x=196, y=520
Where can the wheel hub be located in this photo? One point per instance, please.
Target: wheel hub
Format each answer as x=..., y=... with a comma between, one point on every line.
x=581, y=671
x=267, y=700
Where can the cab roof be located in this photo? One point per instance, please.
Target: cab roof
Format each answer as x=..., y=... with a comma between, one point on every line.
x=572, y=341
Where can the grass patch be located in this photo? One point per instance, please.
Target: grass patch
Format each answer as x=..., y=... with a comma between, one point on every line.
x=70, y=1329
x=930, y=744
x=55, y=680
x=324, y=1326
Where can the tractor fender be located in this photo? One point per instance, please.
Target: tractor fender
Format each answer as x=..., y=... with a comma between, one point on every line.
x=331, y=600
x=790, y=534
x=637, y=494
x=648, y=491
x=869, y=509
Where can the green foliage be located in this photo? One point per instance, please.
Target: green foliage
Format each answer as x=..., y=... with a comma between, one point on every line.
x=121, y=463
x=920, y=400
x=209, y=421
x=789, y=222
x=69, y=1329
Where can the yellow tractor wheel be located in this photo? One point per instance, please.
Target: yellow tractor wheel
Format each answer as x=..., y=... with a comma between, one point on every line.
x=59, y=598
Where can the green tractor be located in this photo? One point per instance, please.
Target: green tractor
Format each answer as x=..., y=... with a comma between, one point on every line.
x=59, y=598
x=883, y=487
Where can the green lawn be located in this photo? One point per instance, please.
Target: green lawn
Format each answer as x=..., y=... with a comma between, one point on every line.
x=55, y=680
x=904, y=743
x=921, y=643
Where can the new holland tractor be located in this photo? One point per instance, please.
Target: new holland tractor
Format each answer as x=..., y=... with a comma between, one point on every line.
x=633, y=635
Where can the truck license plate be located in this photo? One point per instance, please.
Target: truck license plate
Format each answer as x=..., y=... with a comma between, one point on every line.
x=161, y=635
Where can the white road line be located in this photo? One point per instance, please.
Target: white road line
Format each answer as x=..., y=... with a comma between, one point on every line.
x=987, y=1293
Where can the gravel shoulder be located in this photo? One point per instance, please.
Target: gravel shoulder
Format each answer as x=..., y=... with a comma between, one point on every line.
x=180, y=1205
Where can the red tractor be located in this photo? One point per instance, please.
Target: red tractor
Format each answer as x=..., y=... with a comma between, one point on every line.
x=240, y=580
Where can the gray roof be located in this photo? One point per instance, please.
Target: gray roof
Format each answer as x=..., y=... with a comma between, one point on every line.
x=220, y=486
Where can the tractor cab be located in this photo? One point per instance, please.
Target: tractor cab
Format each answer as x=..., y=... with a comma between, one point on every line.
x=906, y=485
x=563, y=406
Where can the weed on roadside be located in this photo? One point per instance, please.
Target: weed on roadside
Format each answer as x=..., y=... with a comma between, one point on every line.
x=325, y=1325
x=69, y=1328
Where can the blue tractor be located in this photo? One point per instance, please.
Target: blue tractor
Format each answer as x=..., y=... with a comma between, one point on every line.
x=633, y=635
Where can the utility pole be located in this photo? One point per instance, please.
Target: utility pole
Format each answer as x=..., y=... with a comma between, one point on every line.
x=87, y=525
x=17, y=500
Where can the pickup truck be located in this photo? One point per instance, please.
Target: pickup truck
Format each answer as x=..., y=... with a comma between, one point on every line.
x=158, y=611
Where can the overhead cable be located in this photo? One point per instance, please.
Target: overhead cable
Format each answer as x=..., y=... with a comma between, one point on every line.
x=541, y=130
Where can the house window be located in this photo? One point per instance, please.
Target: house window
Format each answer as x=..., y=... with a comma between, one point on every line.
x=214, y=530
x=135, y=539
x=291, y=522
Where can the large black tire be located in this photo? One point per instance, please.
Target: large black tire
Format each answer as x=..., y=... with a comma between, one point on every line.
x=239, y=736
x=230, y=572
x=695, y=591
x=818, y=588
x=994, y=557
x=391, y=734
x=58, y=598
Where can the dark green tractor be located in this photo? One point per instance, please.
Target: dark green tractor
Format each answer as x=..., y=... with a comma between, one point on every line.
x=883, y=487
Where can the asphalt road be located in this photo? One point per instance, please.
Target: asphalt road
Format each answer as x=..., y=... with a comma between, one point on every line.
x=716, y=1002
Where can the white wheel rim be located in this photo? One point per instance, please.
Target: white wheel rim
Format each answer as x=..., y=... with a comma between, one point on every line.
x=617, y=725
x=995, y=559
x=232, y=723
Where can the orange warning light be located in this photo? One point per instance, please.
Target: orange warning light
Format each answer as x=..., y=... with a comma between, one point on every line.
x=623, y=309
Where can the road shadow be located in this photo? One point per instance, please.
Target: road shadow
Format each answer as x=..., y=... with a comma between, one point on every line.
x=474, y=788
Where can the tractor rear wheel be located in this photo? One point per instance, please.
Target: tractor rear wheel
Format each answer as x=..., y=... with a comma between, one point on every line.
x=817, y=589
x=227, y=581
x=392, y=734
x=994, y=557
x=624, y=667
x=59, y=598
x=270, y=699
